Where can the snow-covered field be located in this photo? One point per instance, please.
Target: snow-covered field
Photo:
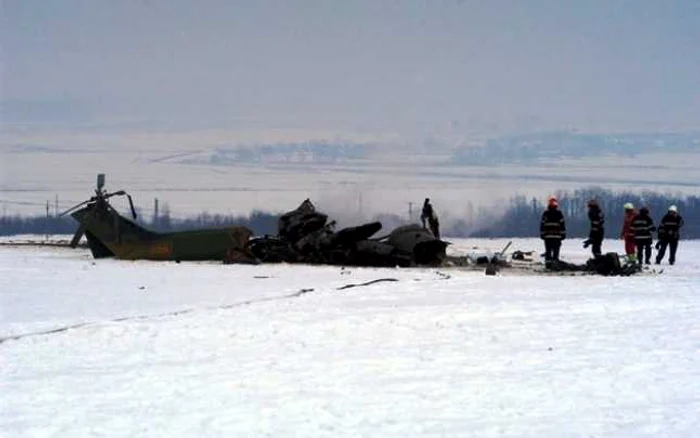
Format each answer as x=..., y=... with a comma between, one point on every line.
x=143, y=349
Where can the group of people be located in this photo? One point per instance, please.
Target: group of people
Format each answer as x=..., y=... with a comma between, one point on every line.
x=637, y=230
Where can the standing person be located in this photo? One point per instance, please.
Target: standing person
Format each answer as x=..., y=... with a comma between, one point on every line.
x=669, y=234
x=429, y=214
x=627, y=234
x=552, y=230
x=597, y=230
x=427, y=211
x=642, y=226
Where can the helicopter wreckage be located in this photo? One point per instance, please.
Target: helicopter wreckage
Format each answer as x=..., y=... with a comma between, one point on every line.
x=304, y=236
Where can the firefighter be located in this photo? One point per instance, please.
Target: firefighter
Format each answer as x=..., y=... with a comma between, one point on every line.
x=552, y=230
x=427, y=211
x=642, y=226
x=627, y=234
x=597, y=230
x=669, y=234
x=429, y=214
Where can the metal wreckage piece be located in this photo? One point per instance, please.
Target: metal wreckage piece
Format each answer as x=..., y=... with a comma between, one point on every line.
x=306, y=236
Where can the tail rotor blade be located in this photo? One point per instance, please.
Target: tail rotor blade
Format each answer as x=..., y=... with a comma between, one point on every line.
x=131, y=205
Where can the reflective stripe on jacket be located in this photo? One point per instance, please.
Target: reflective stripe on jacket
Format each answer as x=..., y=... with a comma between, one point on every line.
x=642, y=226
x=552, y=225
x=597, y=220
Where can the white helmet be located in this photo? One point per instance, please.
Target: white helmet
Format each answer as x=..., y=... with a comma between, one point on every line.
x=629, y=206
x=673, y=208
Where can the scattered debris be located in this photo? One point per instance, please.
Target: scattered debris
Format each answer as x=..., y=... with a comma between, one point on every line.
x=525, y=256
x=494, y=263
x=443, y=275
x=608, y=265
x=379, y=280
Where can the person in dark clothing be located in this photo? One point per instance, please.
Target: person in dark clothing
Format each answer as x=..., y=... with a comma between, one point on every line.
x=669, y=234
x=429, y=214
x=552, y=230
x=642, y=226
x=427, y=211
x=597, y=230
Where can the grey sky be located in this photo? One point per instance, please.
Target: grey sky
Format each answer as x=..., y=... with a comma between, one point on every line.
x=403, y=66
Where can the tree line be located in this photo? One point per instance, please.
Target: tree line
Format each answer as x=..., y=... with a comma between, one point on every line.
x=521, y=218
x=259, y=222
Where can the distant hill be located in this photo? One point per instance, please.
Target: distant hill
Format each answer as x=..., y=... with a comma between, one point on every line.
x=303, y=152
x=554, y=145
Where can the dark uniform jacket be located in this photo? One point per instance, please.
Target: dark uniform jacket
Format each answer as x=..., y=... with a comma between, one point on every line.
x=427, y=212
x=552, y=225
x=597, y=219
x=642, y=226
x=670, y=227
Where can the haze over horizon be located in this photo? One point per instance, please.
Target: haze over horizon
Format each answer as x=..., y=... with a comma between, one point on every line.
x=232, y=106
x=410, y=67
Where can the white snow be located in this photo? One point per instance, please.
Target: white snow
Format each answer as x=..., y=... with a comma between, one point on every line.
x=204, y=349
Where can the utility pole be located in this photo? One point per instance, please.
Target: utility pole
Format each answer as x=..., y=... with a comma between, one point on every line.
x=55, y=206
x=155, y=211
x=47, y=221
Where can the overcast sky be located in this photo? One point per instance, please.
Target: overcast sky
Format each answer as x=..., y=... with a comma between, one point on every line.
x=593, y=65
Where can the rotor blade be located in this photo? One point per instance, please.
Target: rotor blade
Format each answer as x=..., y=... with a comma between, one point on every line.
x=119, y=193
x=78, y=235
x=131, y=205
x=77, y=206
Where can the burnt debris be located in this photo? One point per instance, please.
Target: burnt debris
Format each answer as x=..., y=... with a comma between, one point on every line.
x=305, y=235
